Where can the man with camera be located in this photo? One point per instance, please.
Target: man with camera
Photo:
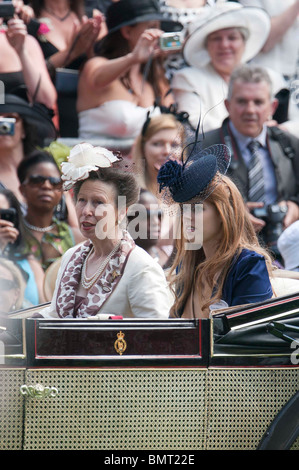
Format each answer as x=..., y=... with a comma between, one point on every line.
x=265, y=159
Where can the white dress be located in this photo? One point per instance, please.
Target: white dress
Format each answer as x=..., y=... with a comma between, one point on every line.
x=202, y=92
x=115, y=119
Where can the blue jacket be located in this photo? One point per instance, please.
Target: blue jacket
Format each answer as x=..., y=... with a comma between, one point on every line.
x=247, y=280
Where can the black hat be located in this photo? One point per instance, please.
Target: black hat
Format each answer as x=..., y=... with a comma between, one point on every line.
x=36, y=114
x=183, y=181
x=130, y=12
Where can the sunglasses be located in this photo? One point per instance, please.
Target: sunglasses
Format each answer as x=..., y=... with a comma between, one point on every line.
x=39, y=180
x=6, y=284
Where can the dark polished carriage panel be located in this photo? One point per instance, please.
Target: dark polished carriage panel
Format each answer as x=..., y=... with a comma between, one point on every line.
x=140, y=384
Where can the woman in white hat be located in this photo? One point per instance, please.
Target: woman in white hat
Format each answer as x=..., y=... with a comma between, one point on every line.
x=225, y=36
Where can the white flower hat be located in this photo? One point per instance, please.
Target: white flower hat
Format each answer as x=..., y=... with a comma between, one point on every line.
x=83, y=159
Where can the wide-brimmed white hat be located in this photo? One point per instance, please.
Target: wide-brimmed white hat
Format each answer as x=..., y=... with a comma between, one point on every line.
x=221, y=16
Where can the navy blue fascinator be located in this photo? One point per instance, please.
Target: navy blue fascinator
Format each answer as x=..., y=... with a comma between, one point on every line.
x=196, y=177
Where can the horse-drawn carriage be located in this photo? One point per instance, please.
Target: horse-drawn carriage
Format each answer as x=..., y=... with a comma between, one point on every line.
x=228, y=382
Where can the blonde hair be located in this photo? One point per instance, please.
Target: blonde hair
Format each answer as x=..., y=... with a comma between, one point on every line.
x=237, y=233
x=17, y=278
x=155, y=124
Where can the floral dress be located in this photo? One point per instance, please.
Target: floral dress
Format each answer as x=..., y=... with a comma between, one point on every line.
x=61, y=242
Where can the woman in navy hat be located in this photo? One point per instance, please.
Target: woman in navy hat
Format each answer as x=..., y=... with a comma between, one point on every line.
x=117, y=87
x=219, y=259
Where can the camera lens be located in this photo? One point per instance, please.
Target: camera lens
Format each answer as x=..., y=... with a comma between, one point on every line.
x=4, y=128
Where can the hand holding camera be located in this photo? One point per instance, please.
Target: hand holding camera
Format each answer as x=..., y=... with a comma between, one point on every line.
x=16, y=33
x=8, y=232
x=171, y=41
x=147, y=46
x=8, y=10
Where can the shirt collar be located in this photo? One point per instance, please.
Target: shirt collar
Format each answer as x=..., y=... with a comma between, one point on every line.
x=243, y=140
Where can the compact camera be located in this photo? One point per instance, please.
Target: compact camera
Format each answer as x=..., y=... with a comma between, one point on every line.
x=171, y=41
x=9, y=214
x=273, y=215
x=7, y=126
x=7, y=10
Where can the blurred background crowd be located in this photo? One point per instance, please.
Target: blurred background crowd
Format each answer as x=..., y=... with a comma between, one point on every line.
x=138, y=76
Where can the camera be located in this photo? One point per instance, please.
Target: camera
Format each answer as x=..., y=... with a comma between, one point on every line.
x=171, y=41
x=7, y=126
x=273, y=215
x=7, y=10
x=9, y=214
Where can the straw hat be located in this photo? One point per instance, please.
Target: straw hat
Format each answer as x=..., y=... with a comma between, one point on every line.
x=255, y=21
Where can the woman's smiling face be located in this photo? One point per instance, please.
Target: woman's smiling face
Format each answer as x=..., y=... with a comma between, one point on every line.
x=226, y=48
x=158, y=148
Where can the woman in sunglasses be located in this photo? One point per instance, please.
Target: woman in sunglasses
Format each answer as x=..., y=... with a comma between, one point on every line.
x=41, y=186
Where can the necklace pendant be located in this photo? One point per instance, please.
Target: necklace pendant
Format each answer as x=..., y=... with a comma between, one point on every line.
x=115, y=274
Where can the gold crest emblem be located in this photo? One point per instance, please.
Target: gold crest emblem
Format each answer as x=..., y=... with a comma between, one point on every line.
x=120, y=344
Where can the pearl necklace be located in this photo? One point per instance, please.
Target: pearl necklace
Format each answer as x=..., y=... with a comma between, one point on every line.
x=38, y=229
x=88, y=282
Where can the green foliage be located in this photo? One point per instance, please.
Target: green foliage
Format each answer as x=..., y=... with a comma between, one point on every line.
x=59, y=151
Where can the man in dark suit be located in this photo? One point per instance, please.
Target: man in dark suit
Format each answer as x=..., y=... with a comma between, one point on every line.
x=251, y=105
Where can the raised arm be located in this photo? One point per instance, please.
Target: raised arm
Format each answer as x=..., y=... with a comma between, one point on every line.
x=103, y=71
x=82, y=42
x=36, y=76
x=280, y=25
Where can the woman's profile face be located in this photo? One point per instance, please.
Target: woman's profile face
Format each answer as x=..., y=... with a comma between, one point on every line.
x=96, y=210
x=158, y=148
x=202, y=222
x=226, y=48
x=9, y=291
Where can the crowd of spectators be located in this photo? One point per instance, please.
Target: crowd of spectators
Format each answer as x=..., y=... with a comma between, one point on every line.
x=94, y=71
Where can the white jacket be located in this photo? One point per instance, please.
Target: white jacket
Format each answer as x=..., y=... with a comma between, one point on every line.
x=142, y=291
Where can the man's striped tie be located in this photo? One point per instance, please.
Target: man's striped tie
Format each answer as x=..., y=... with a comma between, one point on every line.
x=256, y=191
